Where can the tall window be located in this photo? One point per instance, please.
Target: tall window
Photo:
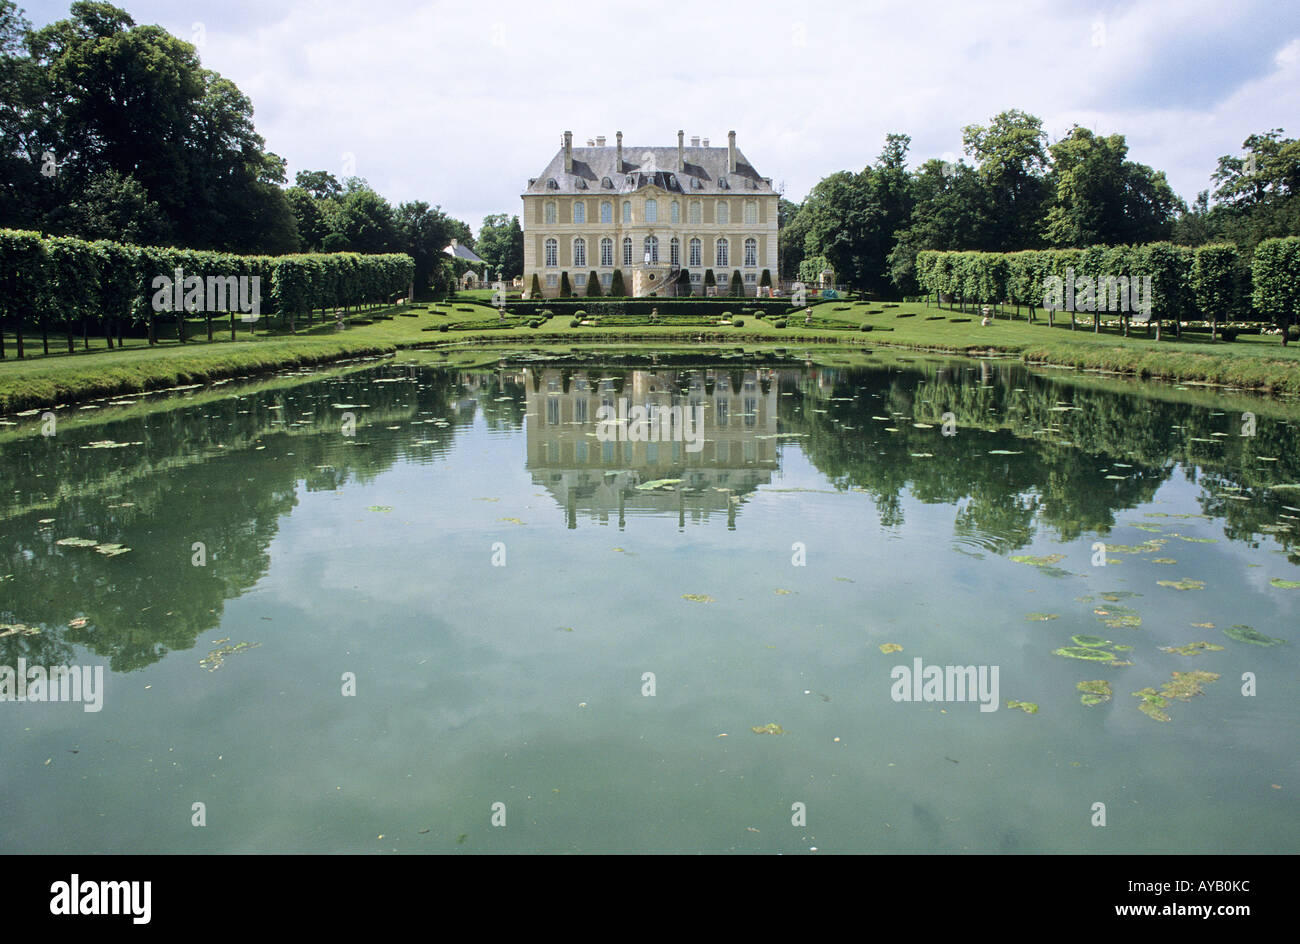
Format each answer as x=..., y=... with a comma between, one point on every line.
x=724, y=253
x=627, y=211
x=751, y=211
x=579, y=211
x=652, y=248
x=550, y=211
x=675, y=252
x=695, y=262
x=627, y=250
x=751, y=252
x=579, y=252
x=724, y=213
x=607, y=252
x=606, y=211
x=652, y=211
x=674, y=212
x=552, y=252
x=696, y=211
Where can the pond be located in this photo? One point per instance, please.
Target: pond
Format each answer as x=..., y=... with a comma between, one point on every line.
x=892, y=605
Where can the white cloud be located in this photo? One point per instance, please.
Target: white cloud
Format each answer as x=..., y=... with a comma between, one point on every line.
x=459, y=105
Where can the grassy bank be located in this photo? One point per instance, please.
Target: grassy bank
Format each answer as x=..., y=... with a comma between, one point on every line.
x=48, y=381
x=1250, y=362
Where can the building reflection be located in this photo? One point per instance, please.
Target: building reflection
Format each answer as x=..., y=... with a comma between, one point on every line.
x=600, y=480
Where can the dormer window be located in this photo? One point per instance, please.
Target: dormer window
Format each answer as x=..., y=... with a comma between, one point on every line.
x=722, y=183
x=607, y=183
x=695, y=184
x=580, y=183
x=551, y=184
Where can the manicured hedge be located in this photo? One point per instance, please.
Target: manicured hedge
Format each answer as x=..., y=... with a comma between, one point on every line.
x=62, y=281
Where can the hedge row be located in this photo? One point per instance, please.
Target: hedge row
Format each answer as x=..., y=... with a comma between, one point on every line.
x=644, y=306
x=52, y=281
x=1212, y=282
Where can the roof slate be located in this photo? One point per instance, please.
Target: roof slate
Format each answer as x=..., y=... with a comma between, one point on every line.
x=705, y=173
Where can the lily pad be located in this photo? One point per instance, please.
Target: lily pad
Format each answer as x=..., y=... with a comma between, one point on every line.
x=1028, y=707
x=1084, y=652
x=772, y=728
x=658, y=483
x=698, y=598
x=1114, y=596
x=888, y=647
x=1094, y=692
x=1041, y=617
x=1091, y=642
x=1183, y=686
x=1251, y=635
x=383, y=509
x=1185, y=584
x=1192, y=648
x=1163, y=560
x=18, y=629
x=111, y=550
x=1032, y=561
x=76, y=542
x=1284, y=584
x=1117, y=617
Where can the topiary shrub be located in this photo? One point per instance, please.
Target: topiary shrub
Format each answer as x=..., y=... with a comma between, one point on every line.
x=1293, y=333
x=566, y=290
x=537, y=287
x=779, y=323
x=1228, y=334
x=737, y=284
x=865, y=327
x=738, y=322
x=593, y=285
x=443, y=326
x=616, y=287
x=580, y=314
x=575, y=323
x=535, y=323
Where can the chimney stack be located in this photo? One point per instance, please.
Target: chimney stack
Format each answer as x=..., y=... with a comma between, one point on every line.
x=706, y=142
x=731, y=152
x=681, y=151
x=618, y=162
x=568, y=152
x=590, y=143
x=600, y=140
x=695, y=140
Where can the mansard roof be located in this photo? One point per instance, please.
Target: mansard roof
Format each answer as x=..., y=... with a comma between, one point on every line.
x=594, y=172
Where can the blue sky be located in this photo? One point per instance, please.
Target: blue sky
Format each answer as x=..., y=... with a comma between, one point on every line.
x=459, y=104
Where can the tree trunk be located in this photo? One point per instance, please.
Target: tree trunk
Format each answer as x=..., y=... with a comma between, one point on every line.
x=85, y=335
x=180, y=326
x=18, y=332
x=209, y=326
x=153, y=331
x=1214, y=327
x=232, y=324
x=45, y=336
x=72, y=345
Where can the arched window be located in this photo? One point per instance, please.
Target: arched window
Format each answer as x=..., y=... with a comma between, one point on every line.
x=579, y=211
x=606, y=211
x=751, y=252
x=695, y=262
x=607, y=251
x=723, y=254
x=674, y=212
x=627, y=211
x=751, y=211
x=627, y=250
x=550, y=211
x=675, y=252
x=724, y=213
x=579, y=252
x=552, y=252
x=652, y=248
x=696, y=212
x=652, y=211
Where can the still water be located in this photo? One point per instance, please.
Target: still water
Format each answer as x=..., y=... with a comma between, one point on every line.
x=401, y=607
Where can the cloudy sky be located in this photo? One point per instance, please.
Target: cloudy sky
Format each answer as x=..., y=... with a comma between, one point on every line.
x=460, y=103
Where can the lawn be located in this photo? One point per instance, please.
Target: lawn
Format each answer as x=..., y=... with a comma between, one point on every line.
x=1250, y=361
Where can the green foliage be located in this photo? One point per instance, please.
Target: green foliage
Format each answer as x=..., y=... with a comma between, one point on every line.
x=765, y=280
x=593, y=285
x=737, y=284
x=566, y=290
x=1275, y=274
x=1214, y=280
x=616, y=287
x=535, y=291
